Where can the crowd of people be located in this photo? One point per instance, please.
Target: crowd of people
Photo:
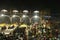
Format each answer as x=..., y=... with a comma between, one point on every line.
x=23, y=31
x=12, y=28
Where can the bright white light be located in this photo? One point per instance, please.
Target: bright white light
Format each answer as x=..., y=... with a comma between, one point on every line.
x=36, y=11
x=24, y=16
x=25, y=11
x=2, y=14
x=35, y=16
x=14, y=16
x=3, y=10
x=15, y=10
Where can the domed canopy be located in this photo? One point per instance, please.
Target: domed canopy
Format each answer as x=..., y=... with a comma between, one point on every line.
x=4, y=19
x=35, y=19
x=15, y=19
x=25, y=19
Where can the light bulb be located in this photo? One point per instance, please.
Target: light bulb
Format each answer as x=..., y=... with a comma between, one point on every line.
x=14, y=16
x=24, y=16
x=35, y=16
x=2, y=14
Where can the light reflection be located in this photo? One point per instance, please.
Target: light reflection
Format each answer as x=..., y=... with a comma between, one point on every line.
x=14, y=16
x=2, y=15
x=36, y=16
x=24, y=16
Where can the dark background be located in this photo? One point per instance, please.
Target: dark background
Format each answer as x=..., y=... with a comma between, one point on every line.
x=30, y=4
x=53, y=5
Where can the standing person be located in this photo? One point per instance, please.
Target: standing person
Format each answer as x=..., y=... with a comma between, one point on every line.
x=24, y=28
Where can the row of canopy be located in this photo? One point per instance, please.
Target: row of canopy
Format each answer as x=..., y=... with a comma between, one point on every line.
x=17, y=19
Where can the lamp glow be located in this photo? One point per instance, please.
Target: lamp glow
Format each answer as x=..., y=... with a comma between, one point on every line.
x=35, y=16
x=14, y=16
x=24, y=16
x=2, y=14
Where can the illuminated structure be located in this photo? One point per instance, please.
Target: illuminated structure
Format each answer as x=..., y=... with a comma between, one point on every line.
x=35, y=17
x=4, y=19
x=15, y=19
x=25, y=17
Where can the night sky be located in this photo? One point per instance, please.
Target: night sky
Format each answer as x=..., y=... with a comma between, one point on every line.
x=29, y=4
x=53, y=5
